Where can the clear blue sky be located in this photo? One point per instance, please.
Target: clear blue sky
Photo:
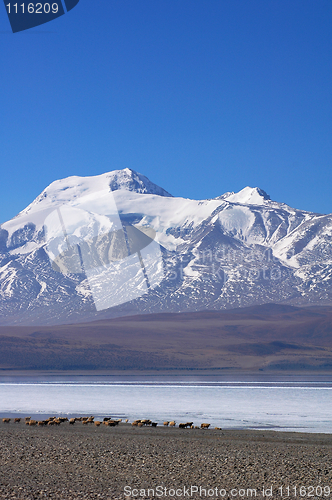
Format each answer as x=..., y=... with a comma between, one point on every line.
x=201, y=96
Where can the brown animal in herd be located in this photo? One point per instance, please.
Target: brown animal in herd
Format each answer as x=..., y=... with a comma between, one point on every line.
x=17, y=420
x=187, y=424
x=112, y=423
x=172, y=423
x=146, y=422
x=205, y=426
x=97, y=423
x=27, y=419
x=6, y=420
x=72, y=421
x=166, y=423
x=141, y=423
x=32, y=422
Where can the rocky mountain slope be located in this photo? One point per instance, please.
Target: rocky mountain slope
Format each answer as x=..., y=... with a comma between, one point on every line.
x=237, y=250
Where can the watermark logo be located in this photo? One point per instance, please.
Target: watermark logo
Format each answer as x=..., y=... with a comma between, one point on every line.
x=196, y=492
x=25, y=15
x=121, y=261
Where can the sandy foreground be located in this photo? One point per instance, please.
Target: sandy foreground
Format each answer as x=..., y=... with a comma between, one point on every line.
x=86, y=462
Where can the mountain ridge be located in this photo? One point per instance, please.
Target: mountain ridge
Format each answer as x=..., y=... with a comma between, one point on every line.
x=240, y=249
x=259, y=339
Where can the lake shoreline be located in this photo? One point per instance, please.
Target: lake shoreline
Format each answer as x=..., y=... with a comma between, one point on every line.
x=185, y=374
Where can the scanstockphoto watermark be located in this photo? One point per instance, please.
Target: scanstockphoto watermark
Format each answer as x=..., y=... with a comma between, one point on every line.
x=25, y=15
x=219, y=263
x=219, y=273
x=226, y=254
x=195, y=491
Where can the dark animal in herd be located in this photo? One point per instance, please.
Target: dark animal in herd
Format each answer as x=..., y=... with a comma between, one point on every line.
x=145, y=422
x=187, y=424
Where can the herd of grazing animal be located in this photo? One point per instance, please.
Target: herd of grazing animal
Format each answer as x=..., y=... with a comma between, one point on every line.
x=107, y=421
x=142, y=423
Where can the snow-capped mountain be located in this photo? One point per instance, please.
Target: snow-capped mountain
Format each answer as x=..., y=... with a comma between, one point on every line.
x=237, y=250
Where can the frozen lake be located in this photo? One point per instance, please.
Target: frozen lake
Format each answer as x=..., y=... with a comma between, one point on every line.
x=289, y=406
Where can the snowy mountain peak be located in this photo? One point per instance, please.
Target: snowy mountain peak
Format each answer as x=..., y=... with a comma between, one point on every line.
x=68, y=189
x=249, y=196
x=133, y=181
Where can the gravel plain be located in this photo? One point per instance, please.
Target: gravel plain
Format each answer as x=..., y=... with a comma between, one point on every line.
x=78, y=461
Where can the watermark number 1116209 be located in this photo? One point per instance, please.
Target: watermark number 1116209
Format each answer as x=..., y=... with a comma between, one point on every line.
x=26, y=15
